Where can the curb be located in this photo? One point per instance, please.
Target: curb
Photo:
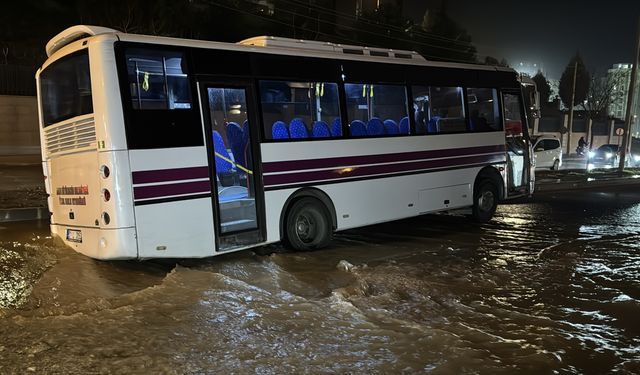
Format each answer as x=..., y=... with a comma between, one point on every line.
x=23, y=214
x=558, y=186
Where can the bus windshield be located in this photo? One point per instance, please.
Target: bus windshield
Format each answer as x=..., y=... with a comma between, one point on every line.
x=65, y=89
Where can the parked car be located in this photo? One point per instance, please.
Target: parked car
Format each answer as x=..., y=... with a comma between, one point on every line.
x=547, y=152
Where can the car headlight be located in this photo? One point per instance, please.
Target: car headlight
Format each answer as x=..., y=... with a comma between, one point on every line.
x=592, y=154
x=636, y=158
x=608, y=155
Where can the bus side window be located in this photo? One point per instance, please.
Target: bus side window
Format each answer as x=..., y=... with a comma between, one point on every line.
x=512, y=115
x=157, y=79
x=483, y=110
x=438, y=109
x=300, y=110
x=381, y=108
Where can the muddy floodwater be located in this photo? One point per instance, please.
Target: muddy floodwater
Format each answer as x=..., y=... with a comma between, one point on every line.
x=549, y=286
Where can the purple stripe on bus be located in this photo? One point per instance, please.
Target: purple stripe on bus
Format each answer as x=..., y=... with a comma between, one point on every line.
x=342, y=173
x=175, y=174
x=293, y=165
x=156, y=191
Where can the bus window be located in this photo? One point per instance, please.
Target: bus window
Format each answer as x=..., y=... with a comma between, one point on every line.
x=157, y=80
x=483, y=110
x=438, y=109
x=65, y=89
x=375, y=110
x=300, y=109
x=512, y=115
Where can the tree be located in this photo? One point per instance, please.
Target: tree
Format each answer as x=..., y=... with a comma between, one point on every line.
x=566, y=82
x=444, y=39
x=602, y=92
x=490, y=60
x=543, y=87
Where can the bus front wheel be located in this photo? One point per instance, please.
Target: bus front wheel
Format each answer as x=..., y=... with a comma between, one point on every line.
x=308, y=225
x=485, y=201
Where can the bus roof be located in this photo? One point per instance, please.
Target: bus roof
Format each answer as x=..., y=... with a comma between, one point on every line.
x=270, y=44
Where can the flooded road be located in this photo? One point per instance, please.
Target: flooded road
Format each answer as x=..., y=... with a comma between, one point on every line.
x=551, y=286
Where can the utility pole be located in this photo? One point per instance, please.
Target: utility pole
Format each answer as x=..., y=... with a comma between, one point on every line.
x=571, y=104
x=626, y=139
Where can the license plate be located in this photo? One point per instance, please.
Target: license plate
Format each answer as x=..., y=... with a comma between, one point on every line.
x=74, y=235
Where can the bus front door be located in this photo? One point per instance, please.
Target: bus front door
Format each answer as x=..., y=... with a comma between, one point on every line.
x=517, y=145
x=230, y=120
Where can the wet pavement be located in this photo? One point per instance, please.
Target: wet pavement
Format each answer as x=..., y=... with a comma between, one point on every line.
x=549, y=286
x=22, y=186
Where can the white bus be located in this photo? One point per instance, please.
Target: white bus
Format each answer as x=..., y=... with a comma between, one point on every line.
x=160, y=147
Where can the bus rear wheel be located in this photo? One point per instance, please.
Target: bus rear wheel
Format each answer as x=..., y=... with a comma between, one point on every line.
x=485, y=201
x=307, y=225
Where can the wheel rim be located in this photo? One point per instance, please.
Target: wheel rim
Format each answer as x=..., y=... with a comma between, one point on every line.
x=305, y=227
x=486, y=201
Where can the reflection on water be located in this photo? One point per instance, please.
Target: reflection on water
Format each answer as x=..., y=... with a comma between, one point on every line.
x=546, y=287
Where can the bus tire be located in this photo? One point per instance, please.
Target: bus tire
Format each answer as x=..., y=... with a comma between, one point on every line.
x=307, y=225
x=485, y=201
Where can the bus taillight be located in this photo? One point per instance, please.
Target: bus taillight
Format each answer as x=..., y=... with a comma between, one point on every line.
x=104, y=171
x=106, y=195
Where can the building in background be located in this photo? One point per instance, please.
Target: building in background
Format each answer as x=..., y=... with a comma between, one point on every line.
x=621, y=75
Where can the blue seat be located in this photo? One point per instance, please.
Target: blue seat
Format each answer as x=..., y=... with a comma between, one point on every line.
x=357, y=128
x=298, y=129
x=235, y=136
x=246, y=147
x=320, y=130
x=390, y=127
x=245, y=132
x=375, y=127
x=432, y=126
x=279, y=130
x=222, y=165
x=404, y=125
x=336, y=127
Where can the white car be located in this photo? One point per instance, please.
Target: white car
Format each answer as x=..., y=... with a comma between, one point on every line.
x=547, y=152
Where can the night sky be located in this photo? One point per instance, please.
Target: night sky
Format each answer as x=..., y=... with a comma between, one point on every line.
x=547, y=31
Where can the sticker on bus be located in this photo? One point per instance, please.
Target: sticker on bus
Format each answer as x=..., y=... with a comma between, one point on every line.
x=74, y=235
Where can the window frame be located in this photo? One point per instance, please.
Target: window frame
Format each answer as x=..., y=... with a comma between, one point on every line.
x=62, y=60
x=407, y=109
x=178, y=127
x=498, y=116
x=265, y=137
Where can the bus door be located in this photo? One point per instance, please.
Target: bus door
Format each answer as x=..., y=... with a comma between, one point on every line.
x=517, y=145
x=231, y=131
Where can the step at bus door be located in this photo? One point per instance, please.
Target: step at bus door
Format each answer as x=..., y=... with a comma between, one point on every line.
x=517, y=145
x=231, y=131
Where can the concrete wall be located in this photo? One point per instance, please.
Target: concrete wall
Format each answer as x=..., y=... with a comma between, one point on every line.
x=598, y=140
x=19, y=126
